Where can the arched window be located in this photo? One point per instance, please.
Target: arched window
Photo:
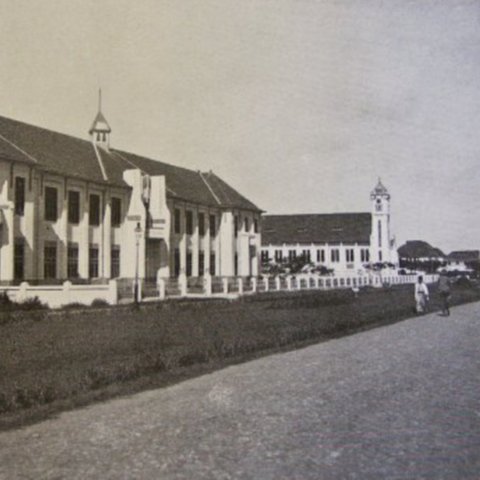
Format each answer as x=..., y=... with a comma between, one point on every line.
x=379, y=233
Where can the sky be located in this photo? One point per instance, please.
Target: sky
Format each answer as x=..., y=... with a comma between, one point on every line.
x=299, y=104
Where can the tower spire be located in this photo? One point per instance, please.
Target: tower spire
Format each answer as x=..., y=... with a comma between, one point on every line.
x=100, y=129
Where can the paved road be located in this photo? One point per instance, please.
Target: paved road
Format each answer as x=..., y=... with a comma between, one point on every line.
x=400, y=402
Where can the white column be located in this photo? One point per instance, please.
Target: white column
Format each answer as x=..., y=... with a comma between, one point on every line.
x=107, y=238
x=195, y=243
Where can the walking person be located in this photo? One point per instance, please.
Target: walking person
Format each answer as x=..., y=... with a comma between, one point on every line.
x=421, y=295
x=444, y=291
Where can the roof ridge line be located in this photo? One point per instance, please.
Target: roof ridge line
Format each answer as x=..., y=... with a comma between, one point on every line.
x=209, y=188
x=100, y=162
x=18, y=148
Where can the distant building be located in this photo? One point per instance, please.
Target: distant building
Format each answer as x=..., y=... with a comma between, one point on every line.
x=417, y=254
x=463, y=260
x=72, y=208
x=339, y=241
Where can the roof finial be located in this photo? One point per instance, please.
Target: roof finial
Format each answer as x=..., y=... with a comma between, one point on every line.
x=99, y=99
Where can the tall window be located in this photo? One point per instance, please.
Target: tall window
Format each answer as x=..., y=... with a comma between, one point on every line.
x=306, y=255
x=235, y=265
x=247, y=224
x=335, y=255
x=93, y=261
x=50, y=260
x=265, y=256
x=116, y=212
x=235, y=225
x=201, y=263
x=73, y=206
x=189, y=264
x=19, y=195
x=379, y=233
x=212, y=264
x=255, y=226
x=177, y=221
x=201, y=224
x=278, y=255
x=189, y=222
x=213, y=225
x=176, y=262
x=292, y=255
x=72, y=260
x=115, y=262
x=321, y=256
x=51, y=204
x=94, y=210
x=18, y=259
x=350, y=255
x=364, y=255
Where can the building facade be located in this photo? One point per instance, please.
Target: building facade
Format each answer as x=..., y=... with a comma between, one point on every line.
x=344, y=242
x=79, y=209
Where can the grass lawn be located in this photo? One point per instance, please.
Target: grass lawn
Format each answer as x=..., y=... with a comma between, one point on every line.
x=54, y=360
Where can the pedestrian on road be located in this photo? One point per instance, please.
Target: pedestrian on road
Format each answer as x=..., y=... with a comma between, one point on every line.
x=444, y=291
x=421, y=295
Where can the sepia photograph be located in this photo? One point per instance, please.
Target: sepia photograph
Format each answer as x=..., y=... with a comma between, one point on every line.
x=239, y=239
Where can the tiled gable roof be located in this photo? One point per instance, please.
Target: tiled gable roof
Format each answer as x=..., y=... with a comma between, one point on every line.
x=74, y=157
x=419, y=249
x=334, y=228
x=464, y=255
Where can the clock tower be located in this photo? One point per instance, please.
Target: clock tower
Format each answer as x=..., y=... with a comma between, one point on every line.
x=382, y=243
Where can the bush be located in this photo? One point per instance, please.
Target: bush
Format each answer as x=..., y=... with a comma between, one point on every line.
x=99, y=302
x=464, y=282
x=74, y=305
x=32, y=304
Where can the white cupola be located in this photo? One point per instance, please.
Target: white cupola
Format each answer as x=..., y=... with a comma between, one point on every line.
x=100, y=129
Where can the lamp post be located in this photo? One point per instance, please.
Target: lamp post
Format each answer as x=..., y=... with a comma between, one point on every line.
x=138, y=236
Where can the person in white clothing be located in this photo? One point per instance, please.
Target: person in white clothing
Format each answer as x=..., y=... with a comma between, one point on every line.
x=421, y=295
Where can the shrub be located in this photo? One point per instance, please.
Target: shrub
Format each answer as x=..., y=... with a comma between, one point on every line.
x=99, y=302
x=32, y=304
x=73, y=305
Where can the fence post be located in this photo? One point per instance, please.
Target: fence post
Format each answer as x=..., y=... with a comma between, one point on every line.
x=208, y=285
x=182, y=283
x=225, y=285
x=277, y=282
x=161, y=288
x=265, y=280
x=240, y=285
x=112, y=292
x=289, y=282
x=22, y=292
x=254, y=284
x=66, y=292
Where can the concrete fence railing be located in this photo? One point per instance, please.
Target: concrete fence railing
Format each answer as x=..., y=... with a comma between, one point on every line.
x=220, y=286
x=59, y=295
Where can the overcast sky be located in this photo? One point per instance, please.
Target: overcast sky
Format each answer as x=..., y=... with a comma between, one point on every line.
x=300, y=105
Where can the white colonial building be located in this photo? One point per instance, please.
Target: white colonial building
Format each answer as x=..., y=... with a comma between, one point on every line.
x=344, y=242
x=80, y=209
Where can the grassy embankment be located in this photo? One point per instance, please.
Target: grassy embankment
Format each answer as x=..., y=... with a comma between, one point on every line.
x=51, y=360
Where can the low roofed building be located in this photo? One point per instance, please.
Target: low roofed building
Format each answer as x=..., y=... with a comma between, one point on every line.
x=338, y=241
